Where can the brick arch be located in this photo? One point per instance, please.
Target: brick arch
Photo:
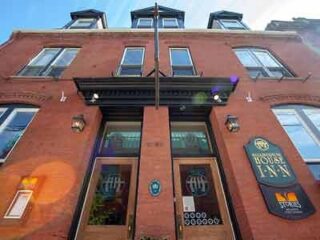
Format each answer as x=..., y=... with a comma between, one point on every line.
x=283, y=99
x=24, y=97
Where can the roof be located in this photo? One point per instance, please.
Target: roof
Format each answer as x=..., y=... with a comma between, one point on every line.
x=163, y=11
x=223, y=15
x=295, y=25
x=90, y=13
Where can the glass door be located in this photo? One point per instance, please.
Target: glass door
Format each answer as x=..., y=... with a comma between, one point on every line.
x=109, y=207
x=201, y=211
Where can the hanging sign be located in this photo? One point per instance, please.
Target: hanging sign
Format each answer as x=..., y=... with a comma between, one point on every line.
x=289, y=202
x=155, y=188
x=269, y=163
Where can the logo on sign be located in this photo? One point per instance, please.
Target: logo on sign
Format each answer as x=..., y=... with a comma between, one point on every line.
x=112, y=184
x=197, y=184
x=287, y=200
x=155, y=188
x=261, y=144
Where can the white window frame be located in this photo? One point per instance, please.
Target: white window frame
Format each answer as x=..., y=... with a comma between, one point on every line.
x=74, y=24
x=14, y=201
x=305, y=126
x=139, y=19
x=123, y=57
x=261, y=65
x=2, y=111
x=221, y=23
x=8, y=120
x=190, y=58
x=176, y=21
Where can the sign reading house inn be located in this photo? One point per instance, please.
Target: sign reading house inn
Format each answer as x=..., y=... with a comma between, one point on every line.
x=283, y=195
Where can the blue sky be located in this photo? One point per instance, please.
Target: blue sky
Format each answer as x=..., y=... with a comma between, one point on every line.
x=46, y=14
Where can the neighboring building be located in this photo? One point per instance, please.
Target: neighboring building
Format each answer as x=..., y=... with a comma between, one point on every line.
x=86, y=154
x=308, y=29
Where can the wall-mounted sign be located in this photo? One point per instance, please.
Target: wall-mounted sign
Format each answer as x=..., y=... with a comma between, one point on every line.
x=155, y=188
x=269, y=163
x=288, y=202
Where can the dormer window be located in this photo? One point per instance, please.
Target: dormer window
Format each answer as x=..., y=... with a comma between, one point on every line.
x=84, y=23
x=145, y=23
x=170, y=23
x=232, y=24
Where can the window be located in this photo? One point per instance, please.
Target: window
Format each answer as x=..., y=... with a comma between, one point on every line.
x=121, y=139
x=83, y=23
x=170, y=23
x=145, y=23
x=190, y=139
x=13, y=122
x=302, y=126
x=50, y=62
x=232, y=24
x=132, y=62
x=261, y=63
x=181, y=62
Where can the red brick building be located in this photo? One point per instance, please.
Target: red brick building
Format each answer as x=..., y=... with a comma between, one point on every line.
x=173, y=171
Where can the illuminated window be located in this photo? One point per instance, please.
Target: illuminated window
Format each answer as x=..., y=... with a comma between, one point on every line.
x=302, y=124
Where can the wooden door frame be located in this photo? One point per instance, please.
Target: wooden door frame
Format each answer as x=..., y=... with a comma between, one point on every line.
x=219, y=189
x=99, y=161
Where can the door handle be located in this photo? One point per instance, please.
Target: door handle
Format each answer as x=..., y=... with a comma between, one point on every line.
x=130, y=227
x=179, y=227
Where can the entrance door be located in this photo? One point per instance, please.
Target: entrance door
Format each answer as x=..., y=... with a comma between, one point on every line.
x=109, y=208
x=201, y=211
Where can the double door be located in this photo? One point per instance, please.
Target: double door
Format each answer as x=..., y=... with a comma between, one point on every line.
x=201, y=208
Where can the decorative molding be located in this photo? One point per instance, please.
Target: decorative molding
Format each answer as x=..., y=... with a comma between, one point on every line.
x=23, y=97
x=291, y=98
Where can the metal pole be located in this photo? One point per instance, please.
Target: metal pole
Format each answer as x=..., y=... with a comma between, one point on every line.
x=156, y=57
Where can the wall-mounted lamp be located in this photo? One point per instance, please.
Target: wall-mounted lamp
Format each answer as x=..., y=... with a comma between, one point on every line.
x=78, y=123
x=232, y=123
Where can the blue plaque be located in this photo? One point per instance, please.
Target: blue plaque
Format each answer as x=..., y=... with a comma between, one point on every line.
x=155, y=188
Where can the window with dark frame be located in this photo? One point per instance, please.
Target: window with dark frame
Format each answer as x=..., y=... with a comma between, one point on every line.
x=181, y=62
x=132, y=62
x=121, y=139
x=170, y=23
x=50, y=62
x=14, y=120
x=84, y=23
x=232, y=24
x=261, y=63
x=302, y=124
x=190, y=139
x=145, y=23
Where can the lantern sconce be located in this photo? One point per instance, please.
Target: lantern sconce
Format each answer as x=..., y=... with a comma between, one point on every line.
x=78, y=123
x=232, y=123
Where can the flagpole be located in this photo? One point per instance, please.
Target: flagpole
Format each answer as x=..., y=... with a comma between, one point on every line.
x=156, y=57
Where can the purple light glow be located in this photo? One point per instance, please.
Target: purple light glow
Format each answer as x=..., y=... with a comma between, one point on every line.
x=234, y=79
x=215, y=90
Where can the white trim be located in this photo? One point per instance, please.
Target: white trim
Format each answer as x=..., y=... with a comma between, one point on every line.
x=123, y=57
x=139, y=20
x=190, y=58
x=2, y=111
x=14, y=201
x=8, y=120
x=176, y=21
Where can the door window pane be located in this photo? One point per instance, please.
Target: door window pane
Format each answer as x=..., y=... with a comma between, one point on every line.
x=189, y=139
x=110, y=201
x=200, y=203
x=12, y=129
x=121, y=139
